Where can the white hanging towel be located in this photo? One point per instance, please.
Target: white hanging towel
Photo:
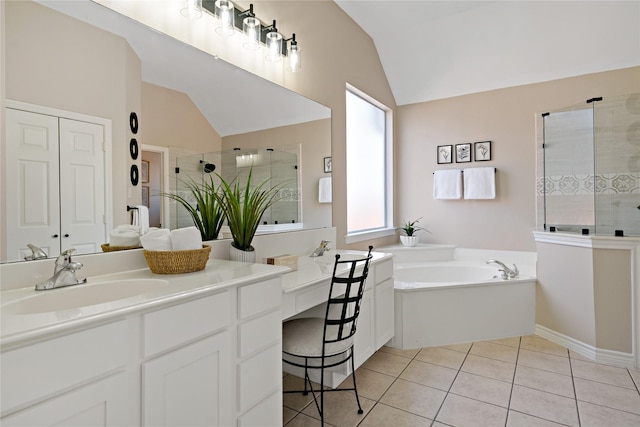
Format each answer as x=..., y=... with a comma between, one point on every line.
x=324, y=190
x=447, y=184
x=142, y=218
x=480, y=183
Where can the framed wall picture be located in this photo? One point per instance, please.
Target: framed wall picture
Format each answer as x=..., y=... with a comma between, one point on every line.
x=482, y=151
x=445, y=154
x=144, y=171
x=327, y=164
x=463, y=153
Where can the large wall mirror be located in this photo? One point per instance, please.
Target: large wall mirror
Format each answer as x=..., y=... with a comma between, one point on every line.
x=85, y=59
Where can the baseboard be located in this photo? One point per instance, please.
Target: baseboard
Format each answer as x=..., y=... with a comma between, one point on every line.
x=610, y=357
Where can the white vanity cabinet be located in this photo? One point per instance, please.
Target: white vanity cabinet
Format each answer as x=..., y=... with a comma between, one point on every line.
x=210, y=358
x=74, y=379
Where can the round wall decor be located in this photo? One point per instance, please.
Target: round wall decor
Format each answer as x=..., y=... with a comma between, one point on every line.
x=134, y=175
x=133, y=122
x=133, y=148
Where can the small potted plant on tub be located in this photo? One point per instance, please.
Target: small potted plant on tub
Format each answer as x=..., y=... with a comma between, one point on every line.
x=409, y=230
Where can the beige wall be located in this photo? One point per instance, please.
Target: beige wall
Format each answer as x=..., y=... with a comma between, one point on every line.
x=507, y=117
x=613, y=299
x=312, y=138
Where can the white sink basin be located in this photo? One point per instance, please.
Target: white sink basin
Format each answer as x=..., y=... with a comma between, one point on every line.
x=82, y=295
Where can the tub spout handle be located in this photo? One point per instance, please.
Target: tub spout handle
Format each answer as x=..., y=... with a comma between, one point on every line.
x=507, y=273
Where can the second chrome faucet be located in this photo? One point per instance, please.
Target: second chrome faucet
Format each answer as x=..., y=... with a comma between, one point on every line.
x=507, y=273
x=64, y=273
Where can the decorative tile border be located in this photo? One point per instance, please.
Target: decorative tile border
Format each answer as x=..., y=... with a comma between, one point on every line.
x=612, y=183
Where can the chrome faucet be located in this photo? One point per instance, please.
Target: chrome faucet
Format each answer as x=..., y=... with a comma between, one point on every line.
x=320, y=250
x=507, y=273
x=64, y=273
x=36, y=253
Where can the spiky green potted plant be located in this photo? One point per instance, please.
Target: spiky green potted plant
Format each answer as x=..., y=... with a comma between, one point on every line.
x=409, y=230
x=243, y=205
x=203, y=206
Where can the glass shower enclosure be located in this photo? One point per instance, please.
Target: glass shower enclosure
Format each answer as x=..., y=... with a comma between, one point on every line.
x=275, y=167
x=591, y=181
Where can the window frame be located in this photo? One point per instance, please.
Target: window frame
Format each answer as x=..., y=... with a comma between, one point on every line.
x=388, y=228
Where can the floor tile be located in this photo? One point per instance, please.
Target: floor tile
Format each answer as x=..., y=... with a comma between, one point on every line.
x=611, y=375
x=384, y=416
x=545, y=381
x=518, y=419
x=462, y=348
x=635, y=375
x=441, y=356
x=547, y=362
x=295, y=401
x=544, y=405
x=595, y=416
x=462, y=412
x=341, y=409
x=495, y=351
x=386, y=363
x=607, y=395
x=415, y=398
x=410, y=354
x=429, y=374
x=511, y=342
x=484, y=389
x=578, y=356
x=302, y=420
x=490, y=368
x=288, y=414
x=536, y=343
x=371, y=384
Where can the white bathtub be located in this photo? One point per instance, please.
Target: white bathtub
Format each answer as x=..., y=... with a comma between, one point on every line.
x=443, y=302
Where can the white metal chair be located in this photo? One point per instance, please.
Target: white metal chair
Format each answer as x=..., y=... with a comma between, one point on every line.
x=320, y=343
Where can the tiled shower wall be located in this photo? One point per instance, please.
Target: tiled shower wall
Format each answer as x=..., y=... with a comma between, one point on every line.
x=607, y=195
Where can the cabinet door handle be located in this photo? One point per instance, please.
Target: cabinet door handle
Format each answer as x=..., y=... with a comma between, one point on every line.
x=55, y=236
x=66, y=235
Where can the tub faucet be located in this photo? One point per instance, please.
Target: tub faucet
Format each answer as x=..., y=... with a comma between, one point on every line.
x=507, y=273
x=64, y=273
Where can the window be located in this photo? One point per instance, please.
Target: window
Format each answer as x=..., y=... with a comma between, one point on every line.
x=369, y=167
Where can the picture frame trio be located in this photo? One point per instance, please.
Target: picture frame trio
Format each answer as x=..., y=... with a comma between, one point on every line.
x=463, y=153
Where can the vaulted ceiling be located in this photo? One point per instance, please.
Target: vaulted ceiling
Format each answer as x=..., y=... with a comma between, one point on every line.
x=439, y=49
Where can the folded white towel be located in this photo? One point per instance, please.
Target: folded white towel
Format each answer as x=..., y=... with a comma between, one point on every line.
x=158, y=240
x=480, y=183
x=447, y=184
x=188, y=238
x=125, y=235
x=324, y=190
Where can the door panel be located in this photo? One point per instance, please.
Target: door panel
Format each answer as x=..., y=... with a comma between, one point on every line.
x=32, y=183
x=82, y=171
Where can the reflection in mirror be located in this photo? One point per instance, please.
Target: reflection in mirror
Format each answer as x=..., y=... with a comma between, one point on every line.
x=111, y=66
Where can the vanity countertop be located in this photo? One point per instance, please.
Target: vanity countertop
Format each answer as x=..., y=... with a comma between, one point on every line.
x=312, y=270
x=218, y=275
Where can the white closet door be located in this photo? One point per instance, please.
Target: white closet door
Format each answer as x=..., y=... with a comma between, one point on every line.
x=82, y=204
x=32, y=183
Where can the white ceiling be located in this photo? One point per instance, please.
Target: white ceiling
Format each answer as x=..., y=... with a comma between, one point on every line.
x=439, y=49
x=232, y=100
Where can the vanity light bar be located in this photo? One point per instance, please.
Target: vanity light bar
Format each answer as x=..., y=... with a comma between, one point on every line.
x=239, y=15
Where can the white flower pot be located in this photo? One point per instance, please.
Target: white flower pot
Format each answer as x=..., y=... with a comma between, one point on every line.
x=408, y=240
x=236, y=254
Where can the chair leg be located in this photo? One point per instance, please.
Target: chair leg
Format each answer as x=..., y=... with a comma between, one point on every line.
x=355, y=388
x=322, y=393
x=306, y=377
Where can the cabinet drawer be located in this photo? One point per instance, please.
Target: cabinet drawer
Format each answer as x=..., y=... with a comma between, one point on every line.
x=259, y=377
x=259, y=297
x=42, y=369
x=259, y=332
x=172, y=326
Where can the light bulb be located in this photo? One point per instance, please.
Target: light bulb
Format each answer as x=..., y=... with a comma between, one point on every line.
x=225, y=12
x=192, y=9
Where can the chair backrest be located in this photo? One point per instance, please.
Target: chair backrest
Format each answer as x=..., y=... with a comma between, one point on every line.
x=345, y=297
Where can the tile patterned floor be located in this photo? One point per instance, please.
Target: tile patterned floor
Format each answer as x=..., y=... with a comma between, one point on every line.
x=514, y=382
